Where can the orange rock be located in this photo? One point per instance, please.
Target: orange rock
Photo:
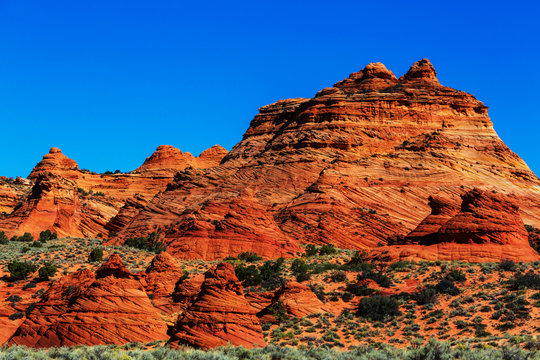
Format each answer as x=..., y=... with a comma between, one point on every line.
x=487, y=228
x=55, y=162
x=161, y=278
x=353, y=166
x=110, y=307
x=220, y=314
x=295, y=299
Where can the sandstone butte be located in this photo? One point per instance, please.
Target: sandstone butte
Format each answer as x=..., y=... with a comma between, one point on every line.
x=74, y=202
x=219, y=315
x=353, y=166
x=110, y=306
x=485, y=227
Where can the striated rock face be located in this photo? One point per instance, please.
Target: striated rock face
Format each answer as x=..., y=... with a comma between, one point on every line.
x=168, y=159
x=353, y=166
x=219, y=315
x=99, y=203
x=110, y=307
x=161, y=278
x=54, y=204
x=487, y=227
x=295, y=299
x=57, y=163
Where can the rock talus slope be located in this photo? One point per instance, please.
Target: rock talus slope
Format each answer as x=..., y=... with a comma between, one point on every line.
x=353, y=166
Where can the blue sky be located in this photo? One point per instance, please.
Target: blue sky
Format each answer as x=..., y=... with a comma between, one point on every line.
x=109, y=81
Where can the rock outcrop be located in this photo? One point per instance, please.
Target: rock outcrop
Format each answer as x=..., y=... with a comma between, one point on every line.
x=353, y=166
x=109, y=307
x=219, y=315
x=98, y=203
x=487, y=227
x=294, y=299
x=168, y=160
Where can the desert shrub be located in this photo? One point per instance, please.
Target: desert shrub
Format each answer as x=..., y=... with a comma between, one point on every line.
x=149, y=243
x=95, y=255
x=327, y=249
x=427, y=295
x=338, y=276
x=378, y=277
x=48, y=270
x=249, y=275
x=378, y=307
x=249, y=257
x=26, y=237
x=528, y=280
x=37, y=244
x=455, y=275
x=311, y=250
x=507, y=265
x=15, y=316
x=47, y=235
x=359, y=290
x=21, y=269
x=3, y=238
x=30, y=285
x=401, y=265
x=300, y=270
x=446, y=286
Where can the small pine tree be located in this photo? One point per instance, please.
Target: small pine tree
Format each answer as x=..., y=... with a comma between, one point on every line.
x=95, y=255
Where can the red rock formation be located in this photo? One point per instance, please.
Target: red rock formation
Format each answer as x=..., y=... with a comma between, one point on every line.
x=161, y=278
x=295, y=299
x=57, y=163
x=54, y=204
x=487, y=228
x=353, y=166
x=168, y=160
x=93, y=206
x=219, y=315
x=110, y=307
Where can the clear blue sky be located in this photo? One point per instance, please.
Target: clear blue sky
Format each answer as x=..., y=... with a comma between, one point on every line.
x=109, y=81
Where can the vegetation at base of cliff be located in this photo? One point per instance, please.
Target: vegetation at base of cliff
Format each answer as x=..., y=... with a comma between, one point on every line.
x=149, y=243
x=432, y=350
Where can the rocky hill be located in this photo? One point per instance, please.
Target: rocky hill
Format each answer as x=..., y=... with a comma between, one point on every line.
x=354, y=166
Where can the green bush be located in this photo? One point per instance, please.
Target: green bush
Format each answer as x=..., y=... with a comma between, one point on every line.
x=507, y=265
x=446, y=286
x=95, y=255
x=248, y=275
x=427, y=295
x=249, y=257
x=47, y=271
x=455, y=275
x=300, y=269
x=149, y=243
x=328, y=249
x=528, y=280
x=379, y=278
x=378, y=307
x=47, y=235
x=20, y=269
x=27, y=237
x=3, y=238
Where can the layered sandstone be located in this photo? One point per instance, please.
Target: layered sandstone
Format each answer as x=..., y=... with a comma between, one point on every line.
x=487, y=227
x=92, y=203
x=109, y=307
x=219, y=315
x=295, y=300
x=353, y=166
x=168, y=159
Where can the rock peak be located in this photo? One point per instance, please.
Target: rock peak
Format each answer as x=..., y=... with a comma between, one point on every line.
x=55, y=162
x=422, y=70
x=114, y=266
x=374, y=76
